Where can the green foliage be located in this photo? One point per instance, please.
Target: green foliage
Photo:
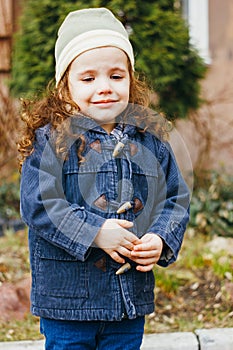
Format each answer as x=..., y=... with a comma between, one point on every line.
x=165, y=55
x=222, y=266
x=167, y=282
x=212, y=206
x=33, y=56
x=158, y=34
x=9, y=199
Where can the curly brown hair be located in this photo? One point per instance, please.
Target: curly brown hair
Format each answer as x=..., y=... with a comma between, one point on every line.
x=57, y=107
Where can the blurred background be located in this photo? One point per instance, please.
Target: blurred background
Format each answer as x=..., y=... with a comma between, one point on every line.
x=185, y=47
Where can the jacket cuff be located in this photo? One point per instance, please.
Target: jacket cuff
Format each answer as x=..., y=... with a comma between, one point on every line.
x=76, y=234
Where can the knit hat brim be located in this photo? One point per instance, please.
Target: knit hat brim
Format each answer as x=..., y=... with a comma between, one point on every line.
x=90, y=40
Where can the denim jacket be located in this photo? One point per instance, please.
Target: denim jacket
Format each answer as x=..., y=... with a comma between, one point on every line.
x=64, y=204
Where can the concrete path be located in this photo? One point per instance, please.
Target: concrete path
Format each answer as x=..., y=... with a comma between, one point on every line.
x=201, y=339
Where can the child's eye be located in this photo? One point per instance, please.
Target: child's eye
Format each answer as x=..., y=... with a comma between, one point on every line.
x=88, y=79
x=116, y=76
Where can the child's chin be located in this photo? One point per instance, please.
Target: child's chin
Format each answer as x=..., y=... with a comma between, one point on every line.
x=106, y=118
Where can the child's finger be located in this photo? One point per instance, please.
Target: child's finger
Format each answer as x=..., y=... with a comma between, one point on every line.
x=124, y=252
x=115, y=256
x=145, y=268
x=143, y=246
x=144, y=253
x=131, y=239
x=124, y=223
x=146, y=261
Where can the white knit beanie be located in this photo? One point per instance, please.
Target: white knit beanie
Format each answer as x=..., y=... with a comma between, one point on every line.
x=87, y=29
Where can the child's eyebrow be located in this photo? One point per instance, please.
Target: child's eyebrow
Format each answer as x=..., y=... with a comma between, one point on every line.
x=118, y=69
x=87, y=71
x=112, y=69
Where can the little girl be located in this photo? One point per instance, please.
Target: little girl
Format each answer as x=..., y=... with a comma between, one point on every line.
x=101, y=192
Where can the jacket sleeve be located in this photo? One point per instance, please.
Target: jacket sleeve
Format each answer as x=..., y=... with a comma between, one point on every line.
x=44, y=207
x=171, y=212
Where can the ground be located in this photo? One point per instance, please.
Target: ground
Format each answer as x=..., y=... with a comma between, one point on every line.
x=195, y=292
x=199, y=304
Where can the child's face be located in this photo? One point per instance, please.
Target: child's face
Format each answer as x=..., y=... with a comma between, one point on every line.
x=99, y=84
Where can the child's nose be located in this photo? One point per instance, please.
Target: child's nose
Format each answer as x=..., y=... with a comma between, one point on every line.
x=104, y=86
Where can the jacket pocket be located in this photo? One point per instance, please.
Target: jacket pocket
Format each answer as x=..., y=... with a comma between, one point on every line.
x=60, y=275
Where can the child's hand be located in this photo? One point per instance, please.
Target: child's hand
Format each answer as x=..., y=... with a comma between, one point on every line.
x=114, y=238
x=147, y=253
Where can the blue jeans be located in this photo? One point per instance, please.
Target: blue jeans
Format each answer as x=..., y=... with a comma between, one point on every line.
x=93, y=335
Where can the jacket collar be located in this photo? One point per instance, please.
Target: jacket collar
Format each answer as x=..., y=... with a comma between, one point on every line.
x=80, y=124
